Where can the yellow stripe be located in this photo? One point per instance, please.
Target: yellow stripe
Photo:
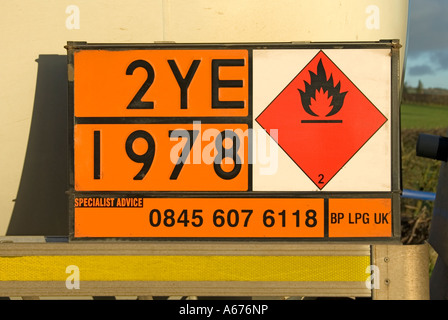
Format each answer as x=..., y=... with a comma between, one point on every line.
x=186, y=268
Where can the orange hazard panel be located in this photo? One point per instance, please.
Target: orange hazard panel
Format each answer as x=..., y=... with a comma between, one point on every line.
x=161, y=83
x=199, y=217
x=161, y=157
x=360, y=217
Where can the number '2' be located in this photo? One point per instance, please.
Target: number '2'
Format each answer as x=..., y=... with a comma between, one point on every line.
x=321, y=180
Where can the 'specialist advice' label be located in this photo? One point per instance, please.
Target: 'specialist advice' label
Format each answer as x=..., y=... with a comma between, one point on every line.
x=233, y=141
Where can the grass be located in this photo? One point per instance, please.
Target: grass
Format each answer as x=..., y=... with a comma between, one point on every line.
x=419, y=173
x=415, y=116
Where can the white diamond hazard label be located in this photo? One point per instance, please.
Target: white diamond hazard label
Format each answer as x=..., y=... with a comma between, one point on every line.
x=322, y=120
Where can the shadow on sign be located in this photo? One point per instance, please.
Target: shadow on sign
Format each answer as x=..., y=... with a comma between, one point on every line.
x=41, y=204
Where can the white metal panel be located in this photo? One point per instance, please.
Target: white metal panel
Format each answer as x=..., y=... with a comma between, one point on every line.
x=33, y=93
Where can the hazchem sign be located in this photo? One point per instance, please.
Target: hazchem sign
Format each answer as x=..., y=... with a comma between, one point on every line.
x=323, y=115
x=234, y=141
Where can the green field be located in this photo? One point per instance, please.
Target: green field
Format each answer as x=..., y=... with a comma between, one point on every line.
x=419, y=173
x=424, y=116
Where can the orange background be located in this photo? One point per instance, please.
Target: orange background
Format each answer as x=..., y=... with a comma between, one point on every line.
x=133, y=222
x=371, y=206
x=102, y=88
x=118, y=170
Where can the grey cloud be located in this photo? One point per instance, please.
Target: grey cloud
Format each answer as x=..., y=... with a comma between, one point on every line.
x=428, y=26
x=441, y=58
x=420, y=70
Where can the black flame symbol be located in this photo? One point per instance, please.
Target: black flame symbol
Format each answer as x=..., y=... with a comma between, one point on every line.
x=319, y=81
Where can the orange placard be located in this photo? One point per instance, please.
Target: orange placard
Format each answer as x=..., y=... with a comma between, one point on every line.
x=360, y=218
x=161, y=83
x=162, y=146
x=199, y=217
x=161, y=157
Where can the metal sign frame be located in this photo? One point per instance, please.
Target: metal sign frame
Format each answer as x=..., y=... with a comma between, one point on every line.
x=325, y=196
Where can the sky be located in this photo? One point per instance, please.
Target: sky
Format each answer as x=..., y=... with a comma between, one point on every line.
x=427, y=44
